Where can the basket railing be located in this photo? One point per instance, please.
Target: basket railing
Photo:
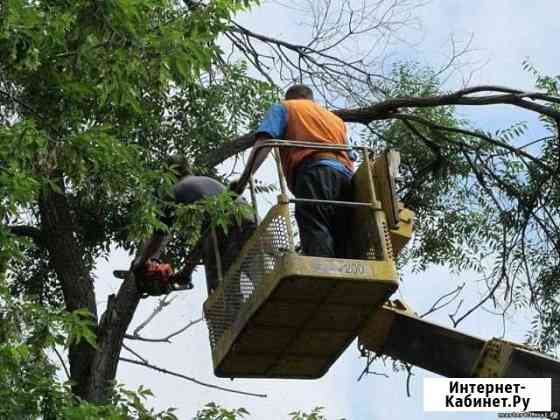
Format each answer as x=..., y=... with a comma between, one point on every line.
x=273, y=238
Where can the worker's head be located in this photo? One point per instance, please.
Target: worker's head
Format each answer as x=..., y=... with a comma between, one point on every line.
x=180, y=165
x=299, y=92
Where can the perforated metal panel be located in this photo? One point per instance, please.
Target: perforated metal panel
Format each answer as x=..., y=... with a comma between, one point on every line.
x=259, y=257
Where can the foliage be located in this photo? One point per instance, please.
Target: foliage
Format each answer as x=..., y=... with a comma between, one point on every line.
x=214, y=412
x=480, y=205
x=218, y=211
x=94, y=98
x=315, y=414
x=451, y=227
x=29, y=336
x=106, y=92
x=541, y=250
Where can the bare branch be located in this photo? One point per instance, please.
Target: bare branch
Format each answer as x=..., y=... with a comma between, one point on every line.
x=166, y=339
x=371, y=357
x=488, y=296
x=163, y=302
x=409, y=376
x=182, y=330
x=62, y=362
x=453, y=295
x=134, y=353
x=189, y=378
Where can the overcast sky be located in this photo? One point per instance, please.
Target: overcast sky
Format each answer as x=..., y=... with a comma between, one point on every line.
x=504, y=34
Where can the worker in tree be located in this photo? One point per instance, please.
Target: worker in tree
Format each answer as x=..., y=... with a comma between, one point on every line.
x=311, y=173
x=154, y=277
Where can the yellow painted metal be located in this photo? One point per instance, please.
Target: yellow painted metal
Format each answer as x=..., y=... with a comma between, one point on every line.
x=377, y=329
x=385, y=168
x=282, y=315
x=368, y=225
x=401, y=235
x=494, y=359
x=301, y=318
x=368, y=237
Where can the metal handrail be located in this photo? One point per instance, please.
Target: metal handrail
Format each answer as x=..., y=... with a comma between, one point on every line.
x=279, y=143
x=308, y=145
x=283, y=199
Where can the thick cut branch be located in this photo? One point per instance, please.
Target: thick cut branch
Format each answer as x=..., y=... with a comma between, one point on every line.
x=382, y=110
x=228, y=149
x=389, y=109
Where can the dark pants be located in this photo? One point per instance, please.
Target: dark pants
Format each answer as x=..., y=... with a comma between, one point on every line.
x=323, y=227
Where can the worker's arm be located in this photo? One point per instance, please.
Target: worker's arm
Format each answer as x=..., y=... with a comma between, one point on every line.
x=151, y=248
x=254, y=162
x=272, y=126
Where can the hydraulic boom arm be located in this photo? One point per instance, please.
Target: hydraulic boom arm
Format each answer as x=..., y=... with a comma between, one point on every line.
x=397, y=332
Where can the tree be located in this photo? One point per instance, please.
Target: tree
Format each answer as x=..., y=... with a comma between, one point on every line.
x=95, y=96
x=87, y=88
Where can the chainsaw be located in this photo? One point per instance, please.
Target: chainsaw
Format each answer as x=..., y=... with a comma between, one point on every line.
x=165, y=280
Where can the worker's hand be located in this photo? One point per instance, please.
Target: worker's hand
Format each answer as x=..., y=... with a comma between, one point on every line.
x=138, y=265
x=237, y=186
x=157, y=271
x=154, y=278
x=181, y=279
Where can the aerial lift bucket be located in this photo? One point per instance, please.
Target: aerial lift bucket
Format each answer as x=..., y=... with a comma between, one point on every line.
x=278, y=314
x=282, y=315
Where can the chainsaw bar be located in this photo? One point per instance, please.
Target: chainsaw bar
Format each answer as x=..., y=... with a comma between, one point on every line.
x=121, y=274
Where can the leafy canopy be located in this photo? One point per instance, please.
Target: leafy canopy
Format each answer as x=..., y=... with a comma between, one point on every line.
x=94, y=97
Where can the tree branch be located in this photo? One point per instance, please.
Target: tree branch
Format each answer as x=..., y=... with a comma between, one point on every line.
x=61, y=360
x=188, y=378
x=389, y=108
x=304, y=51
x=382, y=110
x=453, y=295
x=111, y=331
x=166, y=339
x=27, y=231
x=227, y=150
x=134, y=353
x=163, y=302
x=479, y=135
x=67, y=257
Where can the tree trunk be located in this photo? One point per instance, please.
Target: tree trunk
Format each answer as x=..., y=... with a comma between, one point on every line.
x=68, y=261
x=111, y=331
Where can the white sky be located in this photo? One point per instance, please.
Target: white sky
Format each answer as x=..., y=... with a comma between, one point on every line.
x=505, y=32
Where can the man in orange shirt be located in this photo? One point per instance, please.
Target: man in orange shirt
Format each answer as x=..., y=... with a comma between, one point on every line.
x=311, y=173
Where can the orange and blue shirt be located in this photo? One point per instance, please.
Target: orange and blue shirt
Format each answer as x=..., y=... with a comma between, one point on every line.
x=305, y=120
